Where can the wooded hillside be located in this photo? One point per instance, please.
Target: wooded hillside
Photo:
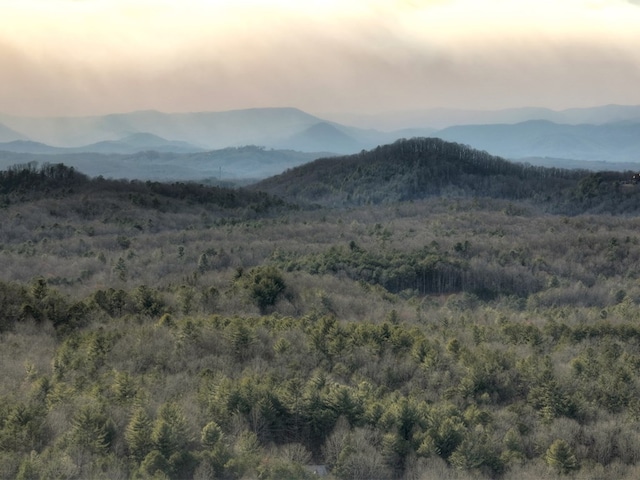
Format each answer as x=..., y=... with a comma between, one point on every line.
x=154, y=330
x=428, y=167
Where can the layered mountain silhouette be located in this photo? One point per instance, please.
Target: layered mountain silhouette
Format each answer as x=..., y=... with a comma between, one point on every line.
x=268, y=127
x=439, y=118
x=539, y=136
x=235, y=165
x=140, y=142
x=133, y=143
x=616, y=142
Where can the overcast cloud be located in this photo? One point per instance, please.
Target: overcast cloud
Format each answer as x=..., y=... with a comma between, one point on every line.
x=66, y=57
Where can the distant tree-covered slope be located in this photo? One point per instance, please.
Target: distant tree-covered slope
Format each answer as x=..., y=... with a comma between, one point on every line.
x=29, y=182
x=414, y=169
x=238, y=164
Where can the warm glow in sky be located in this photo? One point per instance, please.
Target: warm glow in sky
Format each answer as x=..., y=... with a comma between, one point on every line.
x=77, y=57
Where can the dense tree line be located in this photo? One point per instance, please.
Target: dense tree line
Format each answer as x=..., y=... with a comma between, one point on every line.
x=30, y=182
x=428, y=270
x=27, y=180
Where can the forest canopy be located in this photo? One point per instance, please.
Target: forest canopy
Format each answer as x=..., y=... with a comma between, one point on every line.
x=421, y=328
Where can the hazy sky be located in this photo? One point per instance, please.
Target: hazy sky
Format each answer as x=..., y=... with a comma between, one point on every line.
x=77, y=57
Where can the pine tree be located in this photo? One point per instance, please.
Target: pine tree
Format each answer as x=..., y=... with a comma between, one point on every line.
x=211, y=435
x=203, y=263
x=560, y=456
x=171, y=439
x=121, y=269
x=92, y=430
x=138, y=435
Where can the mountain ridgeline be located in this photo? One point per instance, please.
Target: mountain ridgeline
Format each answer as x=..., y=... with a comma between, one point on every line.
x=405, y=170
x=600, y=134
x=415, y=169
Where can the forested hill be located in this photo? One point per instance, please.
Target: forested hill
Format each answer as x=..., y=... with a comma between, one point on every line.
x=420, y=168
x=73, y=191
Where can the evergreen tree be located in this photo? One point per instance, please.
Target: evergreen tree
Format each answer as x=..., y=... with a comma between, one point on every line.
x=138, y=435
x=561, y=458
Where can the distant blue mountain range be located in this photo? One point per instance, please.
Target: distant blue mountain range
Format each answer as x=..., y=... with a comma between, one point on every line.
x=600, y=134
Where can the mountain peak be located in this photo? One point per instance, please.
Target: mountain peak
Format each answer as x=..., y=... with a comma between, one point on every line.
x=322, y=136
x=143, y=138
x=408, y=170
x=9, y=135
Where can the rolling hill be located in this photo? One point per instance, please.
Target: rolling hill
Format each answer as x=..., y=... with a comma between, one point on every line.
x=134, y=143
x=420, y=168
x=139, y=142
x=28, y=146
x=413, y=169
x=31, y=183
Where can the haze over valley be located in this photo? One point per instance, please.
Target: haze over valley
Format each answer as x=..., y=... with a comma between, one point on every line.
x=256, y=143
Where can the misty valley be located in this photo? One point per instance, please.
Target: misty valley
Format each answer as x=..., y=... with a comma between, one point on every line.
x=415, y=310
x=243, y=146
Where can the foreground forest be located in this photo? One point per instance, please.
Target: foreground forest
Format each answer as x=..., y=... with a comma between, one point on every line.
x=155, y=330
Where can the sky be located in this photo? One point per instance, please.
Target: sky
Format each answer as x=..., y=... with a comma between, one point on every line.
x=91, y=57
